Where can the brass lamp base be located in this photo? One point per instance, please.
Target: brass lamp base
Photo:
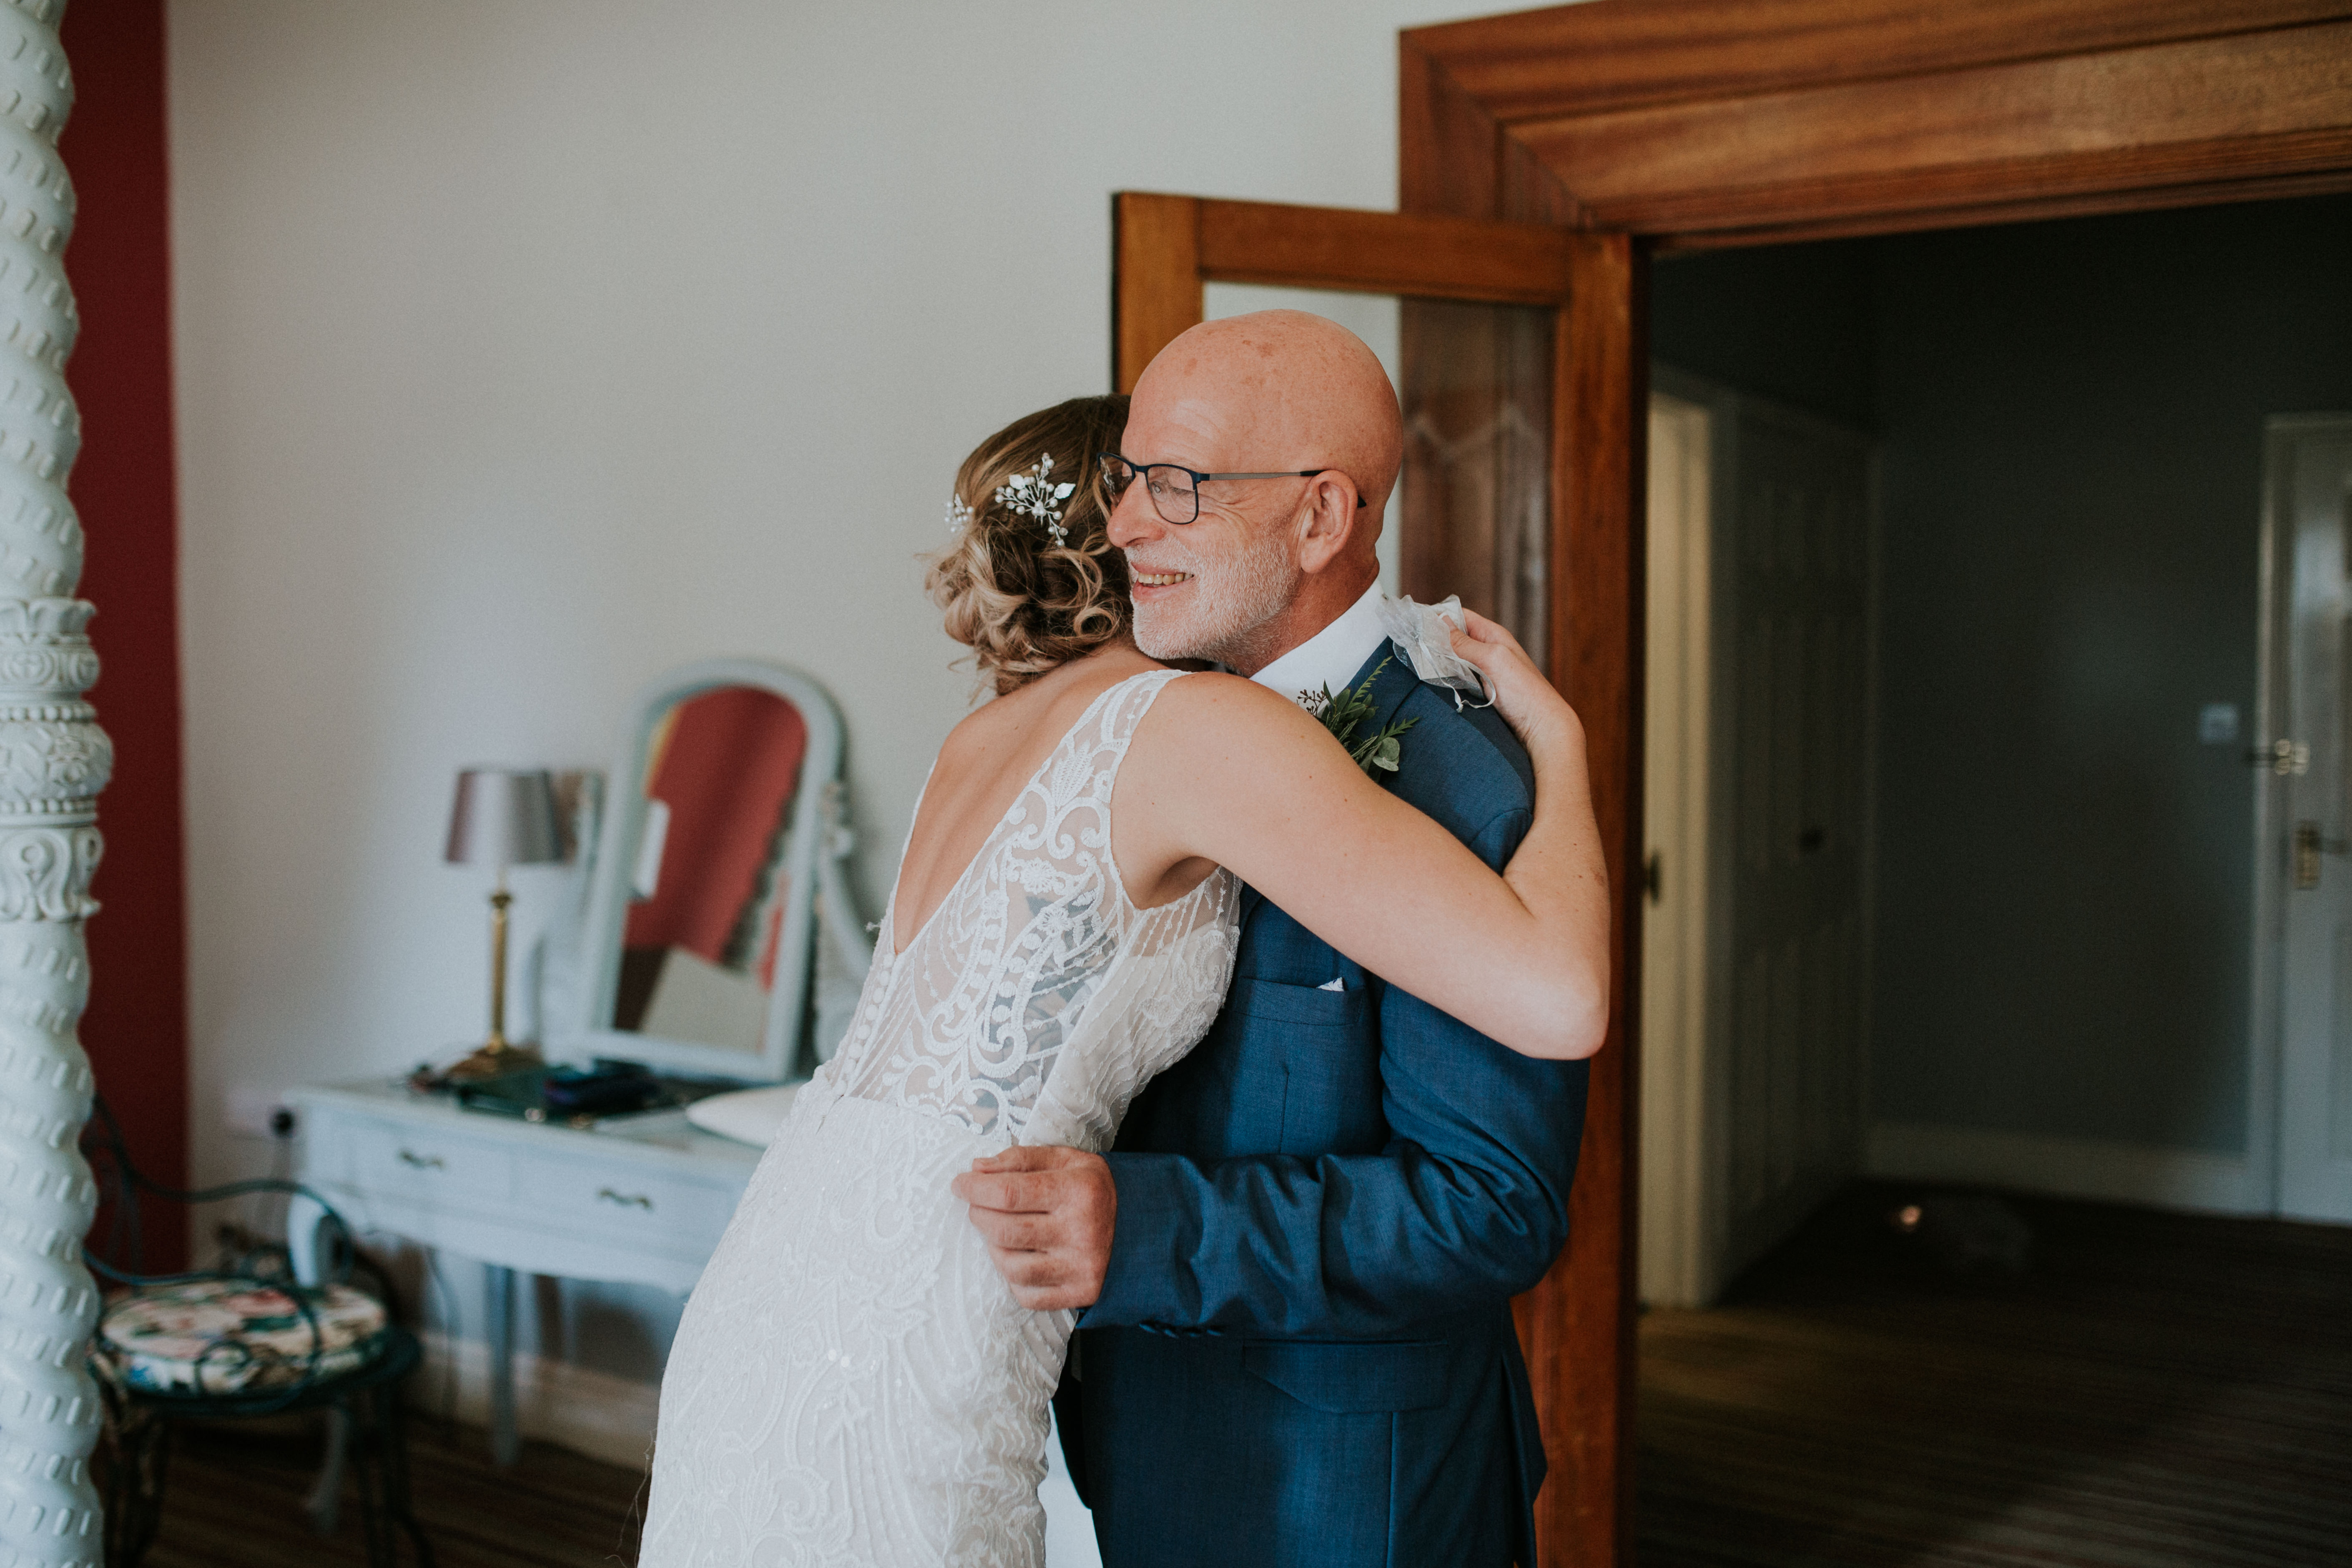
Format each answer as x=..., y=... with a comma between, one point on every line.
x=495, y=1059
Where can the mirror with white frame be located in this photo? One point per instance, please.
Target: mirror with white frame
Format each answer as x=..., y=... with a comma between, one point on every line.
x=721, y=842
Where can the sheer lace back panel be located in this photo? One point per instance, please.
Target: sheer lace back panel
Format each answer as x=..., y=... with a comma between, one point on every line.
x=1038, y=999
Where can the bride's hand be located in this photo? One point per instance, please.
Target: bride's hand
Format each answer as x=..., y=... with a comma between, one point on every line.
x=1538, y=715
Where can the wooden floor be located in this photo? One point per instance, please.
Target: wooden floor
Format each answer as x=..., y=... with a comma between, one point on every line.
x=235, y=1500
x=2157, y=1392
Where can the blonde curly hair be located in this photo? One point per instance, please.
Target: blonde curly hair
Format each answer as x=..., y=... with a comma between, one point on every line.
x=1023, y=602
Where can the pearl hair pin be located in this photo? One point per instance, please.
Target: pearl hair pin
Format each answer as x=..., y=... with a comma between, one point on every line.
x=1034, y=494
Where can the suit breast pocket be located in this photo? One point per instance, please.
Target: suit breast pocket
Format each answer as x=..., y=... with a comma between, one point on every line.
x=1330, y=1052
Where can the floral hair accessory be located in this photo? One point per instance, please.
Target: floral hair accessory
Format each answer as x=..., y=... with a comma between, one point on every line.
x=1035, y=494
x=958, y=514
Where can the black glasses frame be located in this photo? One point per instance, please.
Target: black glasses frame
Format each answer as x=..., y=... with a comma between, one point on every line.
x=1111, y=463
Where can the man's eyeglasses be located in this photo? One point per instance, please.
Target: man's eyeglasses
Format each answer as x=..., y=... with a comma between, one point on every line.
x=1175, y=491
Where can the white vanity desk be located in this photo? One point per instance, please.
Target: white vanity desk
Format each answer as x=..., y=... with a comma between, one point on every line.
x=644, y=1206
x=693, y=951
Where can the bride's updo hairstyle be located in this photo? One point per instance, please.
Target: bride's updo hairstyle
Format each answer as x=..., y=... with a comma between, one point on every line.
x=1031, y=580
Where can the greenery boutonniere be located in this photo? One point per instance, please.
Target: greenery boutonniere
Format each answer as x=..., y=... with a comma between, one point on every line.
x=1341, y=714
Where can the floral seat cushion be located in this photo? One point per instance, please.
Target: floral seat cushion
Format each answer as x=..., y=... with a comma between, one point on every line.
x=233, y=1336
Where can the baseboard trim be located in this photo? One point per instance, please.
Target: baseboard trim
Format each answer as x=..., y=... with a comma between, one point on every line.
x=588, y=1412
x=2147, y=1174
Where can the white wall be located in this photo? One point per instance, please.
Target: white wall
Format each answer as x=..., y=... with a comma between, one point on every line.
x=528, y=347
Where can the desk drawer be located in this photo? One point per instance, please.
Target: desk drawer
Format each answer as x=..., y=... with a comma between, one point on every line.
x=670, y=1211
x=423, y=1165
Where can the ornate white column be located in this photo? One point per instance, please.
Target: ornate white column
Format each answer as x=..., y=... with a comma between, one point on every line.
x=53, y=761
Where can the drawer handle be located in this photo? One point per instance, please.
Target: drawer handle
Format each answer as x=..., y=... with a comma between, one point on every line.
x=627, y=1200
x=416, y=1162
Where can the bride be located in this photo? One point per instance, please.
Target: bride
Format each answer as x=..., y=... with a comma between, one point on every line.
x=853, y=1381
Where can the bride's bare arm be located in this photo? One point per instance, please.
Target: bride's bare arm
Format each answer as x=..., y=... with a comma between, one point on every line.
x=1224, y=770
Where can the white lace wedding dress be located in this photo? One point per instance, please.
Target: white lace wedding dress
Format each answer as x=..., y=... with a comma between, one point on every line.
x=853, y=1381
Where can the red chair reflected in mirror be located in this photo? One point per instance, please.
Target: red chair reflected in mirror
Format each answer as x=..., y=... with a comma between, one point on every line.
x=722, y=835
x=698, y=951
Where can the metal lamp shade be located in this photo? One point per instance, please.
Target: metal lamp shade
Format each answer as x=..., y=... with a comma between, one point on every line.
x=504, y=818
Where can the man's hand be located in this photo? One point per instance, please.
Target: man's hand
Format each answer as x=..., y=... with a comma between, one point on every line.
x=1046, y=1214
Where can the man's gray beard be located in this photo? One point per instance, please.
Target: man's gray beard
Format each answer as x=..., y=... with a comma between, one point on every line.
x=1225, y=626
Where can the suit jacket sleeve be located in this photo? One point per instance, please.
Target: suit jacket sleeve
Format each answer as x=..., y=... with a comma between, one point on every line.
x=1466, y=1204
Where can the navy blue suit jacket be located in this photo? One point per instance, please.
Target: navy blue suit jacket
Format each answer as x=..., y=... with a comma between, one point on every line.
x=1303, y=1353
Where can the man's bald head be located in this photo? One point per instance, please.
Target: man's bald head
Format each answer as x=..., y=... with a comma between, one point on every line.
x=1291, y=390
x=1267, y=564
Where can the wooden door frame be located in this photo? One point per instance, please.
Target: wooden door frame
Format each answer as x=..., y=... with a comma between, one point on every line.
x=1644, y=126
x=1166, y=250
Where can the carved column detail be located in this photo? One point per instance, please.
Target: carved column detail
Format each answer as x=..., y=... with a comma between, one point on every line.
x=54, y=760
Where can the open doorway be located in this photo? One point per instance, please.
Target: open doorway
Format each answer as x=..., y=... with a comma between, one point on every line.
x=2105, y=787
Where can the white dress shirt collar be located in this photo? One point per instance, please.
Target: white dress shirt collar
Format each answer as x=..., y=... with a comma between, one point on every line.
x=1332, y=656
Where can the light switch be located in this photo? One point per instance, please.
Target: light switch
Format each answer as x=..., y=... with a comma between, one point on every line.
x=2217, y=724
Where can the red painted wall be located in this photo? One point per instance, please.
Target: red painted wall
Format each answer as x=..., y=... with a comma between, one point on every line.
x=136, y=1030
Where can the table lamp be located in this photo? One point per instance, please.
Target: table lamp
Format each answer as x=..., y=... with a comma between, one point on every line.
x=503, y=817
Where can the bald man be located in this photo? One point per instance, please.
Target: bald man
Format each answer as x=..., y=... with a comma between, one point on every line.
x=1297, y=1261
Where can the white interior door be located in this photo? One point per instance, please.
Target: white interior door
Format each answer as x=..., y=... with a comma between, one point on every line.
x=1756, y=804
x=1681, y=1240
x=1800, y=589
x=2310, y=504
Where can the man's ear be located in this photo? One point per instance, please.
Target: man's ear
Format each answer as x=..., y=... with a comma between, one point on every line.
x=1327, y=522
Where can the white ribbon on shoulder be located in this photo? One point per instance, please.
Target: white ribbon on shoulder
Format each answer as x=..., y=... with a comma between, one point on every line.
x=1423, y=634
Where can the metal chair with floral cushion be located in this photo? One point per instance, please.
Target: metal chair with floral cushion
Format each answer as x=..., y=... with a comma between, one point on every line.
x=279, y=1329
